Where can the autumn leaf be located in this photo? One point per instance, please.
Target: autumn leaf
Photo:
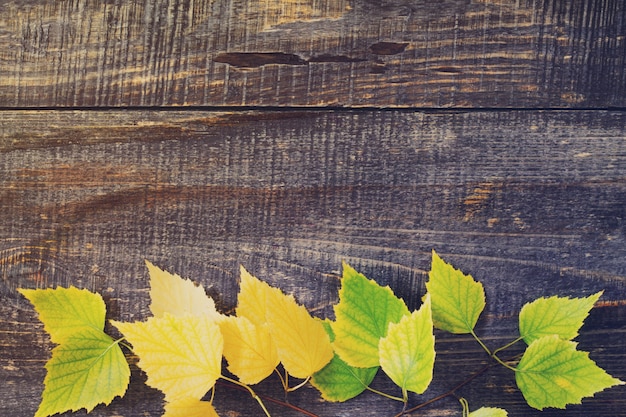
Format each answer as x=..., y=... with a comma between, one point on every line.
x=457, y=299
x=249, y=349
x=362, y=317
x=552, y=373
x=302, y=343
x=189, y=407
x=252, y=298
x=87, y=367
x=180, y=355
x=407, y=352
x=489, y=412
x=555, y=315
x=169, y=293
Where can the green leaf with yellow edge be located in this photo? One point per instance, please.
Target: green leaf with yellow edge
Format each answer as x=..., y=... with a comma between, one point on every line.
x=362, y=317
x=407, y=352
x=67, y=311
x=87, y=367
x=555, y=315
x=301, y=341
x=488, y=412
x=552, y=373
x=169, y=293
x=338, y=381
x=182, y=356
x=249, y=349
x=189, y=407
x=457, y=299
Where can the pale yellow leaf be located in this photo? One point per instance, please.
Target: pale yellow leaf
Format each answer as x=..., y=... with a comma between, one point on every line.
x=180, y=355
x=252, y=298
x=189, y=407
x=169, y=293
x=302, y=343
x=249, y=349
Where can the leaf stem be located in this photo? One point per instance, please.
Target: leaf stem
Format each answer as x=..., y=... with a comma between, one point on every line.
x=250, y=390
x=465, y=406
x=508, y=345
x=480, y=342
x=300, y=385
x=384, y=394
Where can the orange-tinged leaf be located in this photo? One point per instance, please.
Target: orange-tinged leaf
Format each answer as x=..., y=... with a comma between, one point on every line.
x=172, y=294
x=249, y=349
x=180, y=355
x=302, y=343
x=252, y=298
x=189, y=407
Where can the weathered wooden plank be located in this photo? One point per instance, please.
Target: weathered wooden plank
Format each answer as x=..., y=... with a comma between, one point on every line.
x=531, y=203
x=359, y=53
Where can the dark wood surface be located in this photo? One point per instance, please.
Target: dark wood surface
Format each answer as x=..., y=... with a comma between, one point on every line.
x=531, y=203
x=352, y=53
x=288, y=136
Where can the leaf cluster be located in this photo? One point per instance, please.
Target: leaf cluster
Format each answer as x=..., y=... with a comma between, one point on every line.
x=181, y=346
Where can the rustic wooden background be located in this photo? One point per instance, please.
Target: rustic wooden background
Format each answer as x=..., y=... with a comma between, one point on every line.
x=289, y=135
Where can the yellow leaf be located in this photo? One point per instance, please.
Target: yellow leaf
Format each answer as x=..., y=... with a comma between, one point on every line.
x=189, y=407
x=252, y=298
x=177, y=296
x=302, y=343
x=180, y=355
x=249, y=349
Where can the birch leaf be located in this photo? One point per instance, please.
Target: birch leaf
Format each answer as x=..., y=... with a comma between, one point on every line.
x=189, y=407
x=169, y=293
x=252, y=298
x=552, y=373
x=180, y=355
x=489, y=412
x=457, y=299
x=363, y=314
x=249, y=349
x=555, y=315
x=407, y=353
x=87, y=367
x=301, y=341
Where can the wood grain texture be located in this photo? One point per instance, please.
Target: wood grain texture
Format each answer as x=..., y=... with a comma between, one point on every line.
x=531, y=203
x=352, y=53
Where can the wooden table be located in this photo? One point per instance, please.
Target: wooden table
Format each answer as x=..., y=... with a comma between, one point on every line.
x=288, y=136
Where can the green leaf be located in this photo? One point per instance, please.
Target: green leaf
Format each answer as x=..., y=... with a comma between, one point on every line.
x=555, y=315
x=489, y=412
x=552, y=373
x=457, y=299
x=363, y=314
x=87, y=367
x=407, y=353
x=67, y=311
x=338, y=381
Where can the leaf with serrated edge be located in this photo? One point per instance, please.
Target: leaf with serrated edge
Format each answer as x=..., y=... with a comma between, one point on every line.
x=552, y=373
x=407, y=353
x=180, y=355
x=338, y=381
x=249, y=349
x=87, y=367
x=555, y=315
x=457, y=298
x=489, y=412
x=67, y=311
x=189, y=407
x=363, y=314
x=169, y=293
x=302, y=344
x=252, y=298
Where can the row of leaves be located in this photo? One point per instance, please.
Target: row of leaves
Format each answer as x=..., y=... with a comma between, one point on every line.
x=181, y=346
